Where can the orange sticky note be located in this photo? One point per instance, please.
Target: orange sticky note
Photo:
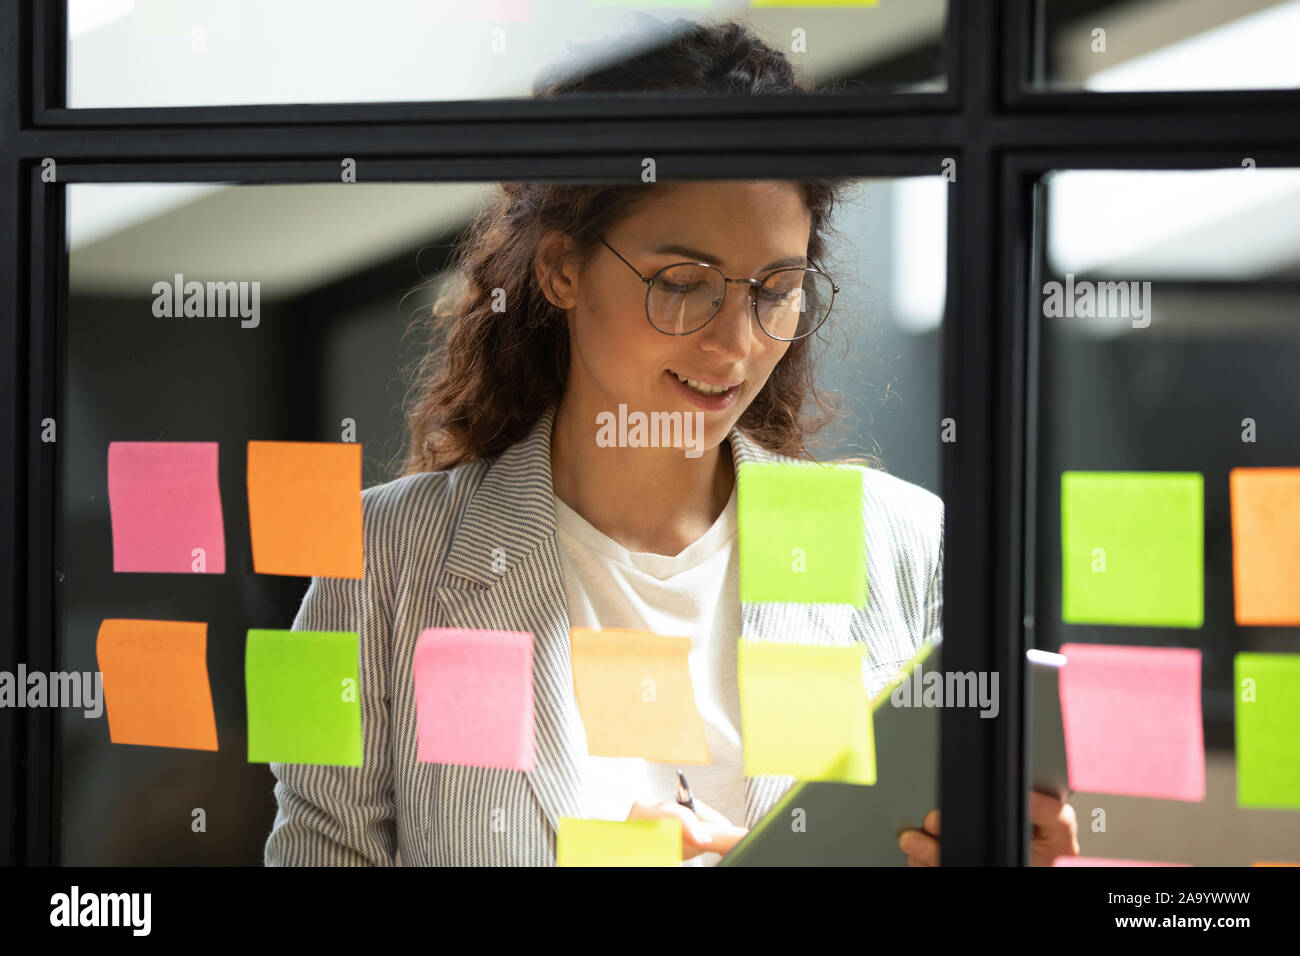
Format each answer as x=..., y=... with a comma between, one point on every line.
x=156, y=688
x=1265, y=545
x=304, y=508
x=635, y=695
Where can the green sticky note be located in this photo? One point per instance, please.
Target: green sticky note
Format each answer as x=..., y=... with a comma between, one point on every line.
x=1267, y=689
x=805, y=712
x=303, y=704
x=619, y=842
x=1132, y=547
x=801, y=535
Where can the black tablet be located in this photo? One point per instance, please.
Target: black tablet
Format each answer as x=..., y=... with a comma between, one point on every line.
x=842, y=824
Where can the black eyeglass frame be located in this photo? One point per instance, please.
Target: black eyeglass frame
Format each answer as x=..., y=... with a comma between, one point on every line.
x=753, y=298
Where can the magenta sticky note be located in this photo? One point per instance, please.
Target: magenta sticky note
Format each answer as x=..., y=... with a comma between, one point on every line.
x=1099, y=861
x=165, y=505
x=474, y=698
x=1132, y=718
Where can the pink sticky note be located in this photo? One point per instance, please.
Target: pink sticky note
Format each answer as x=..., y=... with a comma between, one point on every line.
x=474, y=698
x=1132, y=719
x=165, y=505
x=1099, y=861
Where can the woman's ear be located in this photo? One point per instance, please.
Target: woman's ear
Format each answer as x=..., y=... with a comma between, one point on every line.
x=555, y=273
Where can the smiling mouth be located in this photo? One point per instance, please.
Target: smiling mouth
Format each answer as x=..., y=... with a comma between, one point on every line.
x=702, y=387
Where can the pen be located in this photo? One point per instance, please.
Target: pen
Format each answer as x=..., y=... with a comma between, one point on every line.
x=684, y=795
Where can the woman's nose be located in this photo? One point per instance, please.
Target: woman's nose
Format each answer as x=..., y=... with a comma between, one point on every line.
x=731, y=328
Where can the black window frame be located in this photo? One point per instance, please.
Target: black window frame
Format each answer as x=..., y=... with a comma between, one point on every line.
x=1002, y=131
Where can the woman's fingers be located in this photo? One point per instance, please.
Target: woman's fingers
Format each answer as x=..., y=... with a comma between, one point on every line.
x=1056, y=830
x=705, y=831
x=696, y=837
x=922, y=848
x=725, y=837
x=706, y=812
x=725, y=833
x=1055, y=834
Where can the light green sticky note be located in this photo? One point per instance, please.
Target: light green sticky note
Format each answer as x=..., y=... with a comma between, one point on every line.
x=303, y=697
x=1132, y=548
x=805, y=712
x=1267, y=689
x=618, y=842
x=801, y=536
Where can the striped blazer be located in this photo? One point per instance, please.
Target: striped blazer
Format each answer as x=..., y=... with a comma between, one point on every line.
x=430, y=542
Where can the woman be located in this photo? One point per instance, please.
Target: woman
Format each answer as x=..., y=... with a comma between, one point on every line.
x=513, y=514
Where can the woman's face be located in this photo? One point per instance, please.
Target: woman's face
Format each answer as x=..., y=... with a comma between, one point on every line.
x=746, y=229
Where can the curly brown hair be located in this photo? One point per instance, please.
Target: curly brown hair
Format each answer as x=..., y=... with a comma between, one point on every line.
x=488, y=375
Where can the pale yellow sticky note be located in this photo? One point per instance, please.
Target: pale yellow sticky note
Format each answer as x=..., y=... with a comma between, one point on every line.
x=619, y=842
x=635, y=695
x=805, y=712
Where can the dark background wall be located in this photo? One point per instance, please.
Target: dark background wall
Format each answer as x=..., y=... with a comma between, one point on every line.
x=132, y=377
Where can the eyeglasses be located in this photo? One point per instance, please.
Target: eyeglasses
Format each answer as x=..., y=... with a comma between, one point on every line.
x=682, y=298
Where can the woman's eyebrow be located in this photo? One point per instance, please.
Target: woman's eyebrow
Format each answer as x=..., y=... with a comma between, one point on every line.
x=695, y=254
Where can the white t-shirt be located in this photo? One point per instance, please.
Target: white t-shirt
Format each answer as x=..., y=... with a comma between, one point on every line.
x=693, y=594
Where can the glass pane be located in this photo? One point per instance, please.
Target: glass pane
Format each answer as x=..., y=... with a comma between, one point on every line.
x=1168, y=507
x=1169, y=45
x=331, y=291
x=215, y=52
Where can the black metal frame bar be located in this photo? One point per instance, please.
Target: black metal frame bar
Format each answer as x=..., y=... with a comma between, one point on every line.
x=1002, y=133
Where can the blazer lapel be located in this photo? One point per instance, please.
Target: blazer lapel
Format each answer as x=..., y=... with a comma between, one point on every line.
x=513, y=513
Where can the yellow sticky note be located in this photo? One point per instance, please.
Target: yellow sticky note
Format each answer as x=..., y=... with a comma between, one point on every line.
x=619, y=842
x=806, y=712
x=635, y=696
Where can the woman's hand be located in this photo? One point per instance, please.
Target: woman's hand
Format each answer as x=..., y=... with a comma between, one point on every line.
x=704, y=831
x=1056, y=833
x=922, y=846
x=1056, y=830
